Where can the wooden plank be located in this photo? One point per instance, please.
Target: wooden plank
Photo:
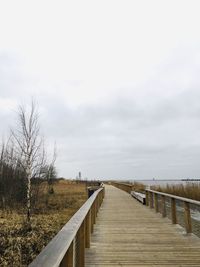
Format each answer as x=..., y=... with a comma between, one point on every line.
x=139, y=196
x=129, y=234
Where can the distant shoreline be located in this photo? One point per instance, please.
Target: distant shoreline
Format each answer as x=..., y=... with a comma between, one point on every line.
x=198, y=180
x=166, y=181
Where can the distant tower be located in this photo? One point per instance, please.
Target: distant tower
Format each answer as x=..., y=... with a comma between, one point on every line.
x=79, y=175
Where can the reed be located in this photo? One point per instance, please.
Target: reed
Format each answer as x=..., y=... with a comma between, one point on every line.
x=139, y=187
x=189, y=190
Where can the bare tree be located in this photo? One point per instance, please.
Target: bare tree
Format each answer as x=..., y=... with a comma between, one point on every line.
x=12, y=176
x=29, y=147
x=51, y=174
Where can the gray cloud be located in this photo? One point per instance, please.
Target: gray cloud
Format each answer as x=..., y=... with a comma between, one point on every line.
x=122, y=138
x=109, y=126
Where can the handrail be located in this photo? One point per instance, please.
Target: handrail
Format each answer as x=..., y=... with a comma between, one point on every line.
x=67, y=248
x=152, y=202
x=189, y=200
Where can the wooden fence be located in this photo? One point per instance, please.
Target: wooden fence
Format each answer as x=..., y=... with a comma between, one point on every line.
x=67, y=248
x=152, y=200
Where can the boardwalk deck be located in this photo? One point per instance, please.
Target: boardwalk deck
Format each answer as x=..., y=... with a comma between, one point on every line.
x=130, y=234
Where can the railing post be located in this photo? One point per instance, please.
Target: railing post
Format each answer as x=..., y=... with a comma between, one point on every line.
x=132, y=188
x=95, y=211
x=68, y=260
x=92, y=218
x=102, y=196
x=188, y=224
x=156, y=202
x=129, y=189
x=173, y=210
x=163, y=206
x=151, y=200
x=98, y=202
x=81, y=246
x=88, y=229
x=147, y=198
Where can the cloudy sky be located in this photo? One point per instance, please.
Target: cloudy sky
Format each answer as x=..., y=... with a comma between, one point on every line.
x=117, y=83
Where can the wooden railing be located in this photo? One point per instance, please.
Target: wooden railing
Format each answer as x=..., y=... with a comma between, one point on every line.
x=152, y=201
x=125, y=187
x=67, y=248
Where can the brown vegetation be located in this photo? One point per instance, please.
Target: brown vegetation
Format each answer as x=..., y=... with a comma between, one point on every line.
x=189, y=190
x=19, y=245
x=139, y=187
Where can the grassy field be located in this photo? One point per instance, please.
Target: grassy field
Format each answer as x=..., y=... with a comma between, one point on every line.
x=19, y=245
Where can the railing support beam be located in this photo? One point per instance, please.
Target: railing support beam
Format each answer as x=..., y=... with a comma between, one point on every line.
x=147, y=198
x=156, y=202
x=151, y=200
x=188, y=224
x=173, y=210
x=163, y=206
x=68, y=260
x=88, y=229
x=80, y=239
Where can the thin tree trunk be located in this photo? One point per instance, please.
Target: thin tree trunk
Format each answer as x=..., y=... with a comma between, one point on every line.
x=28, y=197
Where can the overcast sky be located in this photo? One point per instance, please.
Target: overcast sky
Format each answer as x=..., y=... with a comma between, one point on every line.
x=117, y=83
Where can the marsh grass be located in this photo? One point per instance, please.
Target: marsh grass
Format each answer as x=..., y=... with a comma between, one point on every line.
x=189, y=190
x=20, y=243
x=139, y=187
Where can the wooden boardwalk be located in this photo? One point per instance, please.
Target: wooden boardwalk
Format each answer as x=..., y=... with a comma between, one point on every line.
x=130, y=234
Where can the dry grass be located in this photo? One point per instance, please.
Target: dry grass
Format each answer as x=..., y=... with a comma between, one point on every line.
x=19, y=245
x=190, y=190
x=66, y=196
x=139, y=187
